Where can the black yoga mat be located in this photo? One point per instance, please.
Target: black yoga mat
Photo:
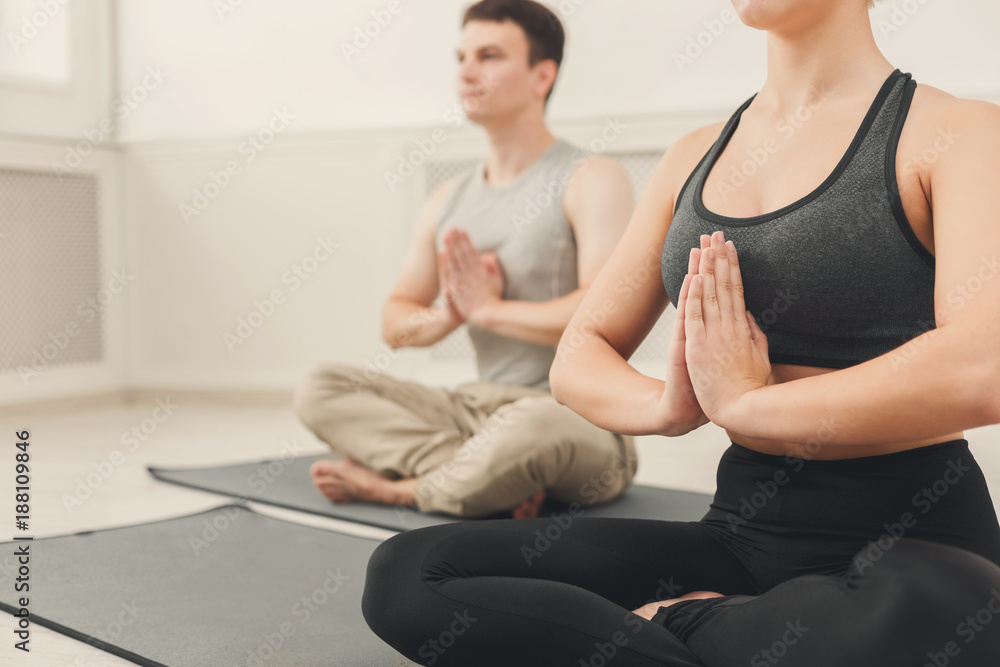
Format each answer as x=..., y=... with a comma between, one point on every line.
x=225, y=587
x=286, y=483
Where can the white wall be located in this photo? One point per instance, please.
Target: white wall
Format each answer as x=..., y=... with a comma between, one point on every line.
x=57, y=98
x=36, y=97
x=219, y=78
x=228, y=71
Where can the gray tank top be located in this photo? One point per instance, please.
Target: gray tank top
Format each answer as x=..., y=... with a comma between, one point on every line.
x=524, y=224
x=838, y=277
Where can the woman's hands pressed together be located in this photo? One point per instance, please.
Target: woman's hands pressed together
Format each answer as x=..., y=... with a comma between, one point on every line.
x=679, y=403
x=725, y=350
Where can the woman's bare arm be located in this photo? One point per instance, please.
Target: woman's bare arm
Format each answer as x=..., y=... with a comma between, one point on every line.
x=591, y=373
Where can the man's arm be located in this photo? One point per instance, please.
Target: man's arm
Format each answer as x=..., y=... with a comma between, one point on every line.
x=598, y=206
x=947, y=379
x=409, y=317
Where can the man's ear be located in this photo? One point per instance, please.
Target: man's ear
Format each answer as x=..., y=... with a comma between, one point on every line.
x=545, y=76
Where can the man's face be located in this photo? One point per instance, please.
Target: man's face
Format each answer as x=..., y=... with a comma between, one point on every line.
x=494, y=78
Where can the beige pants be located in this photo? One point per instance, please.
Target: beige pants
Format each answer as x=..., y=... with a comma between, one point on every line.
x=479, y=449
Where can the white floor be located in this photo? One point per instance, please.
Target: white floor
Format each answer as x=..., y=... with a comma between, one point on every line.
x=68, y=443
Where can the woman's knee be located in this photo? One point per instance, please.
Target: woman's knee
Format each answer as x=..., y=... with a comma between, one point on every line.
x=943, y=601
x=391, y=581
x=398, y=604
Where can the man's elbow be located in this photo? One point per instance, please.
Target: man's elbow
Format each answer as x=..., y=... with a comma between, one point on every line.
x=390, y=333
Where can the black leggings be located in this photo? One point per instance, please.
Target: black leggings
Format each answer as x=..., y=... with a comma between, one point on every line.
x=880, y=561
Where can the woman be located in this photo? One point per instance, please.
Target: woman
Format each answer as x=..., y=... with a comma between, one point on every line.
x=851, y=524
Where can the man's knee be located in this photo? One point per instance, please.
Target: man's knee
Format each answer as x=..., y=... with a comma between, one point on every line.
x=540, y=417
x=323, y=382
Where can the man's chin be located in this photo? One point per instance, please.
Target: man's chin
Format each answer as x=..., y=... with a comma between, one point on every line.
x=477, y=118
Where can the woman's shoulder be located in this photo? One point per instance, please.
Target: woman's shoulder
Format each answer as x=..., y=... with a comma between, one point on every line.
x=683, y=156
x=939, y=117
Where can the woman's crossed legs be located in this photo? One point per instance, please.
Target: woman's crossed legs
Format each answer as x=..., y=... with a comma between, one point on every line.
x=561, y=590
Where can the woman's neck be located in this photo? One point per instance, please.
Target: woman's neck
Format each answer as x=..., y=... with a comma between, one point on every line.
x=830, y=57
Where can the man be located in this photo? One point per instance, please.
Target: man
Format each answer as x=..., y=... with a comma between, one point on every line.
x=509, y=250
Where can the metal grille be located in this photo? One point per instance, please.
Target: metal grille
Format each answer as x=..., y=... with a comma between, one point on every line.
x=640, y=167
x=51, y=302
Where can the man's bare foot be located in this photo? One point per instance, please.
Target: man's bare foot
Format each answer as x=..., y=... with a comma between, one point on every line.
x=530, y=508
x=343, y=480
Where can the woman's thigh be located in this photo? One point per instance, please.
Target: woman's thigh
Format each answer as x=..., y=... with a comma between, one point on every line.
x=561, y=587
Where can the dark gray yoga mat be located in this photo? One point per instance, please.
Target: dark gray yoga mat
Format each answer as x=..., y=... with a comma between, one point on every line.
x=213, y=589
x=286, y=483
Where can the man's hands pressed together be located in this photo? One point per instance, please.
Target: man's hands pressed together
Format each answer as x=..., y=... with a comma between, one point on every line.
x=471, y=283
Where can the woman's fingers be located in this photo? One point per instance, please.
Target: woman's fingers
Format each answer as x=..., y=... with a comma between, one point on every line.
x=682, y=306
x=723, y=281
x=736, y=280
x=709, y=307
x=694, y=325
x=693, y=258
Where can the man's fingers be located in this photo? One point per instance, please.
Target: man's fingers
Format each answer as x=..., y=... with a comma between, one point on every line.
x=467, y=254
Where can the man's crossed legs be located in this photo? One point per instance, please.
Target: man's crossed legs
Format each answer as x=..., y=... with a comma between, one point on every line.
x=473, y=451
